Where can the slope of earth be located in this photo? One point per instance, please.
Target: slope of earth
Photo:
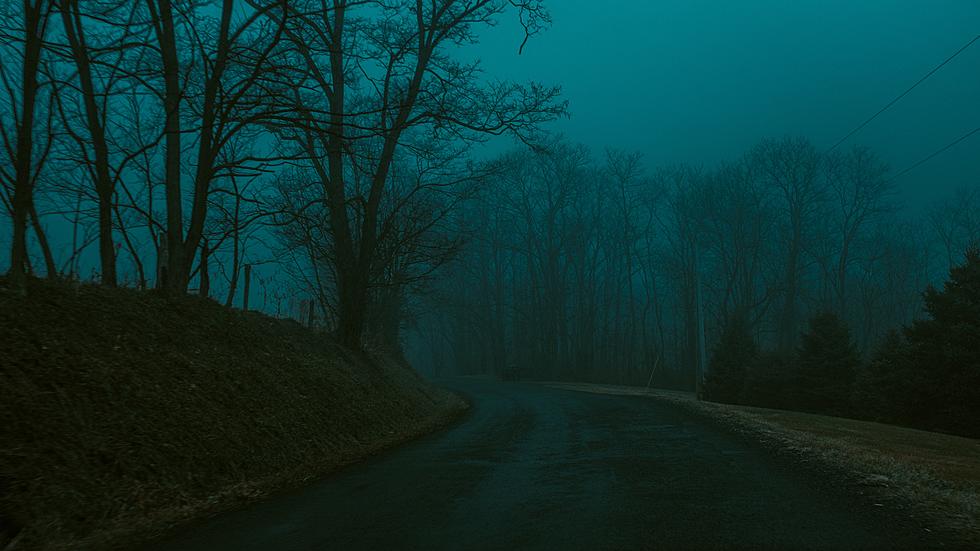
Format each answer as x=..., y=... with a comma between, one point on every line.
x=125, y=413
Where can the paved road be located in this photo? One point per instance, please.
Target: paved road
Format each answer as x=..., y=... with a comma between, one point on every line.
x=538, y=468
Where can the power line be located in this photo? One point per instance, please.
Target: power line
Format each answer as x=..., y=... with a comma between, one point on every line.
x=903, y=94
x=940, y=151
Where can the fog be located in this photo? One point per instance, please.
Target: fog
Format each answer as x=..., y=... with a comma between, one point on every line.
x=614, y=265
x=545, y=190
x=700, y=81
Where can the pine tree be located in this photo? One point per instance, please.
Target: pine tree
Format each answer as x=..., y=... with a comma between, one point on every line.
x=827, y=364
x=886, y=389
x=729, y=362
x=946, y=351
x=769, y=382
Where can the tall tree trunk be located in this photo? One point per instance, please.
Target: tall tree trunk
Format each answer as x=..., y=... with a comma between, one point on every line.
x=205, y=276
x=35, y=19
x=236, y=246
x=161, y=14
x=352, y=303
x=75, y=32
x=50, y=270
x=207, y=147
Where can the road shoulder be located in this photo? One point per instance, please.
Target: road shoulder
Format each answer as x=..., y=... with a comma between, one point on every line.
x=933, y=478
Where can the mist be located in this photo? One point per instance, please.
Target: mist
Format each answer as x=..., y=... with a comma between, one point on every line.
x=698, y=82
x=569, y=274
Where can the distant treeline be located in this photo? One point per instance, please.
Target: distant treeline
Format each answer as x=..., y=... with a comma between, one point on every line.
x=927, y=375
x=578, y=267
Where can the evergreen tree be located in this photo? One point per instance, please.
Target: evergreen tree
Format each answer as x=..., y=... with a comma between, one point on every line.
x=769, y=382
x=827, y=364
x=946, y=351
x=886, y=389
x=729, y=362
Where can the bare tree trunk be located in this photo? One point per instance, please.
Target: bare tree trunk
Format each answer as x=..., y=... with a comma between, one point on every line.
x=51, y=271
x=35, y=22
x=248, y=286
x=74, y=31
x=205, y=277
x=236, y=246
x=161, y=15
x=140, y=271
x=207, y=148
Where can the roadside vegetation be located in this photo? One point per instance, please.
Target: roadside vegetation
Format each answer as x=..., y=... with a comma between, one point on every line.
x=926, y=376
x=125, y=412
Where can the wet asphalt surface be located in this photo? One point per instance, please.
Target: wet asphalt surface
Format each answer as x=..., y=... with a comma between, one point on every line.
x=532, y=467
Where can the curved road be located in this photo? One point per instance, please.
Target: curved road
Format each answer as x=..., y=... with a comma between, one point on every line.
x=532, y=467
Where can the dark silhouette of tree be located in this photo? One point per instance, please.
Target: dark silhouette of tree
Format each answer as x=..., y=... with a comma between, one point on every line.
x=826, y=366
x=944, y=349
x=373, y=80
x=94, y=91
x=886, y=388
x=23, y=33
x=730, y=360
x=791, y=167
x=769, y=382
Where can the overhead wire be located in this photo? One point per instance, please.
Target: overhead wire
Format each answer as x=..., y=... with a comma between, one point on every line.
x=935, y=69
x=936, y=153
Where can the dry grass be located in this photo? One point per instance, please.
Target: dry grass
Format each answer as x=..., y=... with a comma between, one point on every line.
x=930, y=475
x=124, y=412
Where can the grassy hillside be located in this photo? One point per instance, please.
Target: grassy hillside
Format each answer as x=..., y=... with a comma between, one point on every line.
x=124, y=412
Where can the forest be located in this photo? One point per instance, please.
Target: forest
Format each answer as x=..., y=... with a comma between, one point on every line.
x=342, y=161
x=489, y=274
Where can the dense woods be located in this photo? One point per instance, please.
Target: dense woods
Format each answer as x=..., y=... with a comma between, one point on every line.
x=335, y=150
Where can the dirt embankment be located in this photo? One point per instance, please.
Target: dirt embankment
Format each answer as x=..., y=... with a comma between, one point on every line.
x=125, y=412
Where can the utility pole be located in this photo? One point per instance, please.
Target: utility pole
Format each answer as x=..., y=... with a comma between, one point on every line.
x=700, y=365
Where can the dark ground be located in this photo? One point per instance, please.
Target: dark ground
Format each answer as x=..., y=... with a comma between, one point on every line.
x=538, y=468
x=123, y=411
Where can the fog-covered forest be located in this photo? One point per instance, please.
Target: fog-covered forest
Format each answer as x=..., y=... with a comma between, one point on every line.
x=592, y=265
x=344, y=165
x=489, y=274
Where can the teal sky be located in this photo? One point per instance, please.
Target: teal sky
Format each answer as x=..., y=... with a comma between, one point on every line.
x=700, y=81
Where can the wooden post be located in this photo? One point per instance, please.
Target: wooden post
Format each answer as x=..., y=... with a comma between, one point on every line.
x=248, y=285
x=205, y=277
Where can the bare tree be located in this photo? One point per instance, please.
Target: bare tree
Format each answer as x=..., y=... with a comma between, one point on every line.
x=956, y=223
x=98, y=71
x=791, y=166
x=230, y=71
x=380, y=74
x=20, y=68
x=861, y=193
